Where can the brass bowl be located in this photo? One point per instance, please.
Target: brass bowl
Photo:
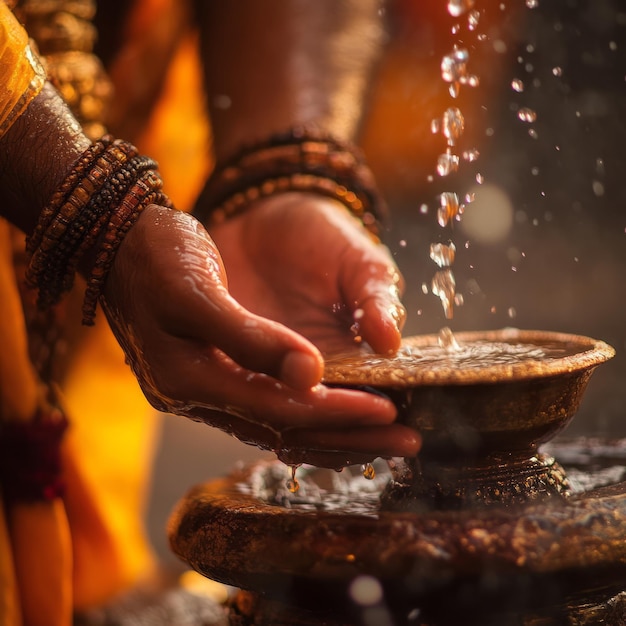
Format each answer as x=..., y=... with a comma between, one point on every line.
x=479, y=525
x=482, y=408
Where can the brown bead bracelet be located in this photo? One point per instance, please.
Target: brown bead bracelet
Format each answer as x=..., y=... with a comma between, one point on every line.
x=94, y=207
x=301, y=159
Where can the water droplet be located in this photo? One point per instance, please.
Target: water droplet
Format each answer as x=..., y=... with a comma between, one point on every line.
x=533, y=133
x=612, y=46
x=453, y=124
x=471, y=155
x=447, y=163
x=402, y=243
x=447, y=340
x=443, y=286
x=557, y=71
x=512, y=313
x=470, y=196
x=454, y=89
x=292, y=484
x=368, y=471
x=458, y=7
x=472, y=19
x=443, y=254
x=454, y=65
x=435, y=126
x=448, y=209
x=480, y=179
x=527, y=115
x=518, y=85
x=424, y=288
x=423, y=209
x=534, y=171
x=532, y=4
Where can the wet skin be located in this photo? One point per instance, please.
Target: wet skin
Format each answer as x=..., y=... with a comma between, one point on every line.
x=197, y=351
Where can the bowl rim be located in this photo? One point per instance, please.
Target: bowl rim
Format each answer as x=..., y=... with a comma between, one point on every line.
x=589, y=354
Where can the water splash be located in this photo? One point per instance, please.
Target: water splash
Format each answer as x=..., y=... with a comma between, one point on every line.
x=458, y=7
x=443, y=254
x=517, y=84
x=368, y=471
x=447, y=341
x=447, y=163
x=454, y=71
x=292, y=484
x=453, y=125
x=449, y=208
x=444, y=287
x=527, y=115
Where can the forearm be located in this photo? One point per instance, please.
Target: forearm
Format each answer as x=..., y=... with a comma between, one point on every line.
x=36, y=154
x=274, y=64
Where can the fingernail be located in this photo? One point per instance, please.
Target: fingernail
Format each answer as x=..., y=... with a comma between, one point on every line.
x=300, y=370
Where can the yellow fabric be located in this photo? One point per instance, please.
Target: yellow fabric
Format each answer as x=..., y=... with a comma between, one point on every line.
x=43, y=561
x=112, y=441
x=10, y=614
x=21, y=75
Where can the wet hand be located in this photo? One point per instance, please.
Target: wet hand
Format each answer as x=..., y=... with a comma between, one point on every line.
x=197, y=352
x=303, y=260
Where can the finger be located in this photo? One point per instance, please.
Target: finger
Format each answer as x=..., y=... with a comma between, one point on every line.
x=339, y=448
x=374, y=292
x=212, y=380
x=381, y=323
x=322, y=448
x=200, y=308
x=207, y=313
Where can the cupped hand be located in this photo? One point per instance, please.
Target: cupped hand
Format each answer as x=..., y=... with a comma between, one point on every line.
x=305, y=261
x=197, y=352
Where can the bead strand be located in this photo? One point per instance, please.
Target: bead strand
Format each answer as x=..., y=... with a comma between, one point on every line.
x=302, y=159
x=93, y=208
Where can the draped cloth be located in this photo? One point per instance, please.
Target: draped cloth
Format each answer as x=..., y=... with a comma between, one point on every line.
x=21, y=74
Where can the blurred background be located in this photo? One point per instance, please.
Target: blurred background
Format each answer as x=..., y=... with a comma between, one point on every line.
x=542, y=245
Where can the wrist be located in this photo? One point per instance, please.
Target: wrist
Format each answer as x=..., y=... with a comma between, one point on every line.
x=36, y=154
x=86, y=219
x=303, y=159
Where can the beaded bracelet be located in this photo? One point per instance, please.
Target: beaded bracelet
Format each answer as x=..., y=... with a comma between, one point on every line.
x=301, y=159
x=93, y=208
